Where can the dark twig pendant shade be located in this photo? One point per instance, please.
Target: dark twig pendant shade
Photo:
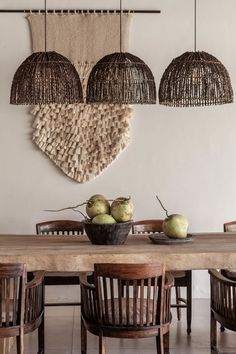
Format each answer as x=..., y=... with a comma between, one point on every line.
x=44, y=78
x=121, y=78
x=195, y=79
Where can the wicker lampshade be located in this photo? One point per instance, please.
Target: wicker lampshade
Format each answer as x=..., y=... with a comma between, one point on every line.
x=121, y=78
x=195, y=79
x=45, y=78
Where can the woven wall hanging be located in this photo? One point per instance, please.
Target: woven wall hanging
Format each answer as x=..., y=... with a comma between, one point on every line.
x=82, y=140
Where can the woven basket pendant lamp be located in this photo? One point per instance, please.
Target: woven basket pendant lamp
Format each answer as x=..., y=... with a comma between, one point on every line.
x=121, y=78
x=195, y=79
x=46, y=78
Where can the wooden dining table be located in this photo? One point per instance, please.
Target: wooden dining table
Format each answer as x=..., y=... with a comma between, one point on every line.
x=76, y=253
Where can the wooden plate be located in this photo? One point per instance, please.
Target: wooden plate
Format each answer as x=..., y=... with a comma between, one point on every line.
x=162, y=239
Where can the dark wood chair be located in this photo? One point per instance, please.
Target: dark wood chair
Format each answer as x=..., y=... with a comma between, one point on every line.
x=229, y=227
x=228, y=273
x=223, y=305
x=182, y=278
x=142, y=311
x=57, y=228
x=60, y=227
x=21, y=304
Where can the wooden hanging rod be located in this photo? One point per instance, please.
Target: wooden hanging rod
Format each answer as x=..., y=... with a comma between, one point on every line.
x=71, y=11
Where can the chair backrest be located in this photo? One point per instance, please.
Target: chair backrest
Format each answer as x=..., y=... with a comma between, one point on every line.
x=230, y=226
x=60, y=227
x=130, y=295
x=223, y=299
x=147, y=226
x=12, y=298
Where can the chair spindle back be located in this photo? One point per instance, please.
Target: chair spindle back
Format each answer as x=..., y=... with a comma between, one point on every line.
x=230, y=226
x=60, y=227
x=147, y=226
x=12, y=296
x=125, y=289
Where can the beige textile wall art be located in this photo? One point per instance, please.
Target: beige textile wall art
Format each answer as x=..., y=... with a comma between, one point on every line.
x=82, y=140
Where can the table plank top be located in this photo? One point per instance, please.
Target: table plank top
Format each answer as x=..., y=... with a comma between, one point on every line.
x=76, y=253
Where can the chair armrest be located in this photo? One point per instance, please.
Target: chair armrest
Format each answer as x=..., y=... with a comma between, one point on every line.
x=34, y=298
x=89, y=303
x=37, y=280
x=169, y=281
x=83, y=278
x=217, y=275
x=222, y=295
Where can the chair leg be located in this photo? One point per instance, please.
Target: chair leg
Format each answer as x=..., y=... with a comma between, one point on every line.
x=189, y=301
x=41, y=339
x=102, y=349
x=83, y=338
x=213, y=335
x=160, y=343
x=20, y=343
x=177, y=294
x=166, y=340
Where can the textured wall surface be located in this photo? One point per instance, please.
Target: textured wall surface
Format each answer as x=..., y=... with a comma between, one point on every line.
x=187, y=156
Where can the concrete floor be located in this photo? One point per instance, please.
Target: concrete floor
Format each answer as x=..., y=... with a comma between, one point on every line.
x=63, y=335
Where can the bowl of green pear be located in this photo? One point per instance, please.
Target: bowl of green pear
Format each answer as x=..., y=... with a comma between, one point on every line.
x=108, y=224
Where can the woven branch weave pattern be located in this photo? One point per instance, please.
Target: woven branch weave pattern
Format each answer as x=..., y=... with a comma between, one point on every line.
x=195, y=79
x=46, y=69
x=121, y=77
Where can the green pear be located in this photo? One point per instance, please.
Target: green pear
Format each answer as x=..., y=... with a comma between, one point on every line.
x=103, y=219
x=122, y=209
x=175, y=226
x=96, y=205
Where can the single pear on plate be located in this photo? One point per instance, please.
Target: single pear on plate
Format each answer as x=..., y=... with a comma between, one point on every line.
x=175, y=226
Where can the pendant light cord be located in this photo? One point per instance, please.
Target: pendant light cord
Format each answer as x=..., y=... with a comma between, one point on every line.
x=120, y=26
x=195, y=25
x=45, y=25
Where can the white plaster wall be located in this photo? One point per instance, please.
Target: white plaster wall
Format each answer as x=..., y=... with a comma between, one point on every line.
x=187, y=156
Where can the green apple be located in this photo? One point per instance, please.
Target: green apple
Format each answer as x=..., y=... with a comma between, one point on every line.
x=175, y=226
x=103, y=219
x=96, y=205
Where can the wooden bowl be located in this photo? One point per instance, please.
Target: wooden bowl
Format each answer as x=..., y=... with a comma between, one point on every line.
x=107, y=234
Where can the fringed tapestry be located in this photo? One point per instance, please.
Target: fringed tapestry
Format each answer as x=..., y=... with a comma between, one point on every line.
x=82, y=140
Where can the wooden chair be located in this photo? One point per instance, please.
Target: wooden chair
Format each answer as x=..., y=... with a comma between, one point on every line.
x=21, y=305
x=231, y=274
x=57, y=228
x=182, y=278
x=143, y=311
x=229, y=227
x=223, y=305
